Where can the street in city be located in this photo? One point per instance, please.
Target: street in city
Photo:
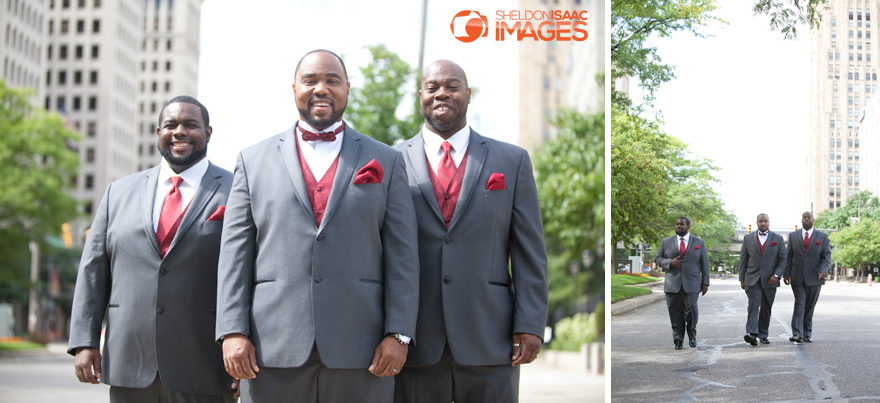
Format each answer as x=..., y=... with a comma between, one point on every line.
x=840, y=365
x=47, y=377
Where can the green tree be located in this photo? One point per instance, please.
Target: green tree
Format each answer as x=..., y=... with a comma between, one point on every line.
x=634, y=21
x=36, y=174
x=857, y=245
x=571, y=187
x=786, y=17
x=373, y=106
x=862, y=204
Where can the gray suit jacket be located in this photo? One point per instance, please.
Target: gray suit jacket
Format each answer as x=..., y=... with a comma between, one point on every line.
x=160, y=312
x=694, y=270
x=804, y=268
x=485, y=277
x=289, y=284
x=754, y=267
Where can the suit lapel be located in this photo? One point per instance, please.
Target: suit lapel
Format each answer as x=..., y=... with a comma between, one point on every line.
x=477, y=152
x=207, y=187
x=287, y=147
x=416, y=159
x=148, y=197
x=345, y=169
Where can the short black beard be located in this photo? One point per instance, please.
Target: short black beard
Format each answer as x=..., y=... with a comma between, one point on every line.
x=321, y=124
x=187, y=161
x=444, y=127
x=681, y=234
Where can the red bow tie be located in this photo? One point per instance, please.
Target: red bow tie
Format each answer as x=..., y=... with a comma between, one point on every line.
x=329, y=136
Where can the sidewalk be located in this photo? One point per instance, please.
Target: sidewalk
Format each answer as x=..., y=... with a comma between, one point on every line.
x=629, y=304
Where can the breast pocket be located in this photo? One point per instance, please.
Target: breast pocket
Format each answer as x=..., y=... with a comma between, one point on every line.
x=212, y=226
x=496, y=193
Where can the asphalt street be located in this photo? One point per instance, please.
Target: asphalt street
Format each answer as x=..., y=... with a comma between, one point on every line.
x=840, y=365
x=47, y=377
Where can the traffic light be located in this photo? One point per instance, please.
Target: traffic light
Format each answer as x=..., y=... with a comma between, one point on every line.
x=795, y=227
x=66, y=236
x=750, y=228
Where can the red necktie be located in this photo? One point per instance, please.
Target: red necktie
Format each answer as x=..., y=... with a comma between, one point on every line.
x=682, y=247
x=806, y=240
x=447, y=167
x=329, y=136
x=169, y=217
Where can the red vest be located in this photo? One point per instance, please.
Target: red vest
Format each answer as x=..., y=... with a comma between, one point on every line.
x=318, y=191
x=447, y=198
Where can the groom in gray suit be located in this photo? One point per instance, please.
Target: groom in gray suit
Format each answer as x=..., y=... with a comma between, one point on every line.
x=761, y=264
x=319, y=271
x=686, y=262
x=150, y=263
x=483, y=287
x=809, y=258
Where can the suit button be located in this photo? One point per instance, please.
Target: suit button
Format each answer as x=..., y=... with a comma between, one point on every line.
x=159, y=311
x=447, y=280
x=318, y=279
x=163, y=271
x=446, y=197
x=320, y=188
x=321, y=237
x=447, y=240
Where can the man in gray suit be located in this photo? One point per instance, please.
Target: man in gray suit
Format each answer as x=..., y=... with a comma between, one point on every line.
x=761, y=263
x=686, y=262
x=809, y=258
x=150, y=263
x=318, y=288
x=483, y=288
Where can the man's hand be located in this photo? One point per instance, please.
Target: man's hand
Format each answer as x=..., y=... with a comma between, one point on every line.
x=821, y=276
x=773, y=280
x=676, y=263
x=87, y=364
x=240, y=356
x=742, y=285
x=704, y=288
x=786, y=280
x=389, y=357
x=526, y=347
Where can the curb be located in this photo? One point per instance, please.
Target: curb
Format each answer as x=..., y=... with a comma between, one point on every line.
x=629, y=304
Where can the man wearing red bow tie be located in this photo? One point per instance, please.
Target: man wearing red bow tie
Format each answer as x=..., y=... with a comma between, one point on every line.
x=483, y=291
x=761, y=264
x=318, y=287
x=149, y=267
x=807, y=264
x=686, y=263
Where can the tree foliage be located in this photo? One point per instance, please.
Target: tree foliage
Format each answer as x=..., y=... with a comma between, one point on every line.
x=857, y=245
x=655, y=180
x=634, y=21
x=786, y=15
x=863, y=204
x=35, y=176
x=373, y=106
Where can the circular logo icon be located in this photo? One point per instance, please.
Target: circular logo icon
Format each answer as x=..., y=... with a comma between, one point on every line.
x=468, y=25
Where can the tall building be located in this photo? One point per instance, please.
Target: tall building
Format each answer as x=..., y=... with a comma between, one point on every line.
x=168, y=63
x=108, y=67
x=843, y=78
x=560, y=74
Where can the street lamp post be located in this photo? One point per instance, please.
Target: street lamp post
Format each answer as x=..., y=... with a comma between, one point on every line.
x=574, y=267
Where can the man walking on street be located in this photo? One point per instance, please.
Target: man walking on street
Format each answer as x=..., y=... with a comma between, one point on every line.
x=761, y=264
x=809, y=258
x=686, y=262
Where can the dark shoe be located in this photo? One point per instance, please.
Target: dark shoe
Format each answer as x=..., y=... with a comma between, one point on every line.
x=692, y=343
x=764, y=340
x=808, y=339
x=751, y=339
x=678, y=344
x=795, y=339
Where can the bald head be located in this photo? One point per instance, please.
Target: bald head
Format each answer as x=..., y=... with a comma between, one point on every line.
x=445, y=65
x=444, y=96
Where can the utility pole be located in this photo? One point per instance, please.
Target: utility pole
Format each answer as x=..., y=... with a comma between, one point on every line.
x=35, y=275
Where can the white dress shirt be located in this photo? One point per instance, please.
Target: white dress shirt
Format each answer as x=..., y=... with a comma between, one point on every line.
x=434, y=149
x=804, y=232
x=191, y=179
x=687, y=240
x=319, y=154
x=762, y=239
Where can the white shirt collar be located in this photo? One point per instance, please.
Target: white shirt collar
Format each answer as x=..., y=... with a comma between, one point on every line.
x=459, y=141
x=191, y=176
x=810, y=232
x=687, y=237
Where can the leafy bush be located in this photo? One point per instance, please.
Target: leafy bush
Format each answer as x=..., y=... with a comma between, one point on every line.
x=581, y=328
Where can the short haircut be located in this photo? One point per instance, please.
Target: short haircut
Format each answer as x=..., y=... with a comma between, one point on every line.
x=685, y=220
x=759, y=216
x=189, y=100
x=325, y=51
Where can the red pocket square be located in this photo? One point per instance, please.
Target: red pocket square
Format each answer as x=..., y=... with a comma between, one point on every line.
x=773, y=243
x=496, y=182
x=818, y=243
x=696, y=247
x=370, y=173
x=218, y=215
